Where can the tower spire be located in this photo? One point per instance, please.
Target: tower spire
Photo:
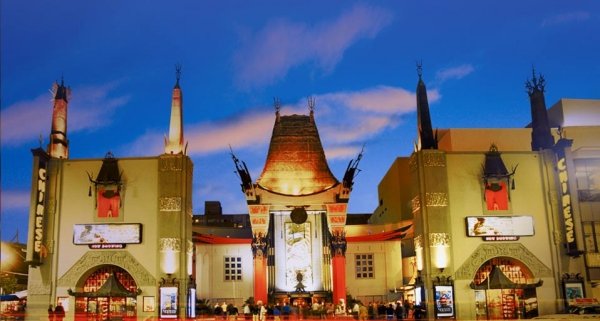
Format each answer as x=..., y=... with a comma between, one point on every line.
x=541, y=137
x=425, y=131
x=59, y=144
x=174, y=143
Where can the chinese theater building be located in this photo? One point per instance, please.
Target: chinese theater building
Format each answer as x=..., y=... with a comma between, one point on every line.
x=110, y=238
x=300, y=247
x=504, y=223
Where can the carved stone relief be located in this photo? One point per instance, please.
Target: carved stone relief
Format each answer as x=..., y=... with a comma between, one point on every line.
x=168, y=163
x=433, y=159
x=436, y=199
x=416, y=203
x=412, y=162
x=485, y=252
x=418, y=242
x=437, y=239
x=92, y=260
x=169, y=244
x=170, y=204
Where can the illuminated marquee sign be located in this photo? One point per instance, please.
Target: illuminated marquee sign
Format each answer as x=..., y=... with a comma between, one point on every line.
x=107, y=236
x=499, y=228
x=565, y=196
x=563, y=179
x=37, y=212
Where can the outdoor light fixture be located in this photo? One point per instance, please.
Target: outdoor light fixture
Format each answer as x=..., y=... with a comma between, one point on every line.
x=169, y=252
x=190, y=254
x=419, y=252
x=440, y=250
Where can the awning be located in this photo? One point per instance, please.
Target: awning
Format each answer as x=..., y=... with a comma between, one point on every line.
x=9, y=297
x=111, y=288
x=497, y=280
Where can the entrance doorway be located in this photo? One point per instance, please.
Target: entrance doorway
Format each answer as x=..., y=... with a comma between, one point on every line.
x=109, y=293
x=504, y=289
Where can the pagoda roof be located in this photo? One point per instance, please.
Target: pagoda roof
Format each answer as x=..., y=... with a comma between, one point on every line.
x=296, y=164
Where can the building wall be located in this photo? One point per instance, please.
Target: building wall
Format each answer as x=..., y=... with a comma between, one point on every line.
x=68, y=265
x=139, y=206
x=394, y=197
x=387, y=269
x=529, y=198
x=210, y=272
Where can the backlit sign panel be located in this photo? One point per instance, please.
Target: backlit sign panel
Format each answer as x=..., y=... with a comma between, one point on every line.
x=106, y=234
x=499, y=226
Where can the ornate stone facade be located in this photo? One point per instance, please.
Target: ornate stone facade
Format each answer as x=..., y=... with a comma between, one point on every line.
x=170, y=204
x=485, y=252
x=91, y=260
x=434, y=159
x=436, y=199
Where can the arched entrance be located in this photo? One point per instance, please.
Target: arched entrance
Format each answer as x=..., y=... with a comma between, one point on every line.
x=109, y=293
x=505, y=289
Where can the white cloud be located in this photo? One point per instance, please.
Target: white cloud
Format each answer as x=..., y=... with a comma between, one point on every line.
x=89, y=108
x=566, y=18
x=344, y=119
x=281, y=45
x=457, y=72
x=342, y=152
x=15, y=199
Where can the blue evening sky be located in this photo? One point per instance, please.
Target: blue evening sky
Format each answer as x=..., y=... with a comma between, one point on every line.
x=356, y=58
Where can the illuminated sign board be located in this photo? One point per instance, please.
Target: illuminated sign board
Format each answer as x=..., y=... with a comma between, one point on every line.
x=104, y=236
x=499, y=228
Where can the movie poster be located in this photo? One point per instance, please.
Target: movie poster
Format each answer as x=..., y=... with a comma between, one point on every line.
x=444, y=301
x=168, y=302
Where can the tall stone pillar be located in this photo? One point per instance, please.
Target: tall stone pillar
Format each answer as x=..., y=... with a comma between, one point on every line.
x=175, y=223
x=336, y=219
x=259, y=219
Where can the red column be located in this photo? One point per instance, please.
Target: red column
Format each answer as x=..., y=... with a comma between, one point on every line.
x=339, y=278
x=260, y=279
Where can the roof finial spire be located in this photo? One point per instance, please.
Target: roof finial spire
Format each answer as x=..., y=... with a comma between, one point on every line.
x=311, y=104
x=420, y=68
x=535, y=84
x=177, y=74
x=277, y=104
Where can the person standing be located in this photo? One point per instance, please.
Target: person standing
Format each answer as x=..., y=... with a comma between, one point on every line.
x=363, y=312
x=399, y=311
x=286, y=311
x=276, y=312
x=59, y=312
x=50, y=313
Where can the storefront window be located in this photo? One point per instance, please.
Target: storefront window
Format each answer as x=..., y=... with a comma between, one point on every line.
x=90, y=305
x=504, y=289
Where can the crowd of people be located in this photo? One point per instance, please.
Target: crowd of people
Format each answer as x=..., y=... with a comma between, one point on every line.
x=300, y=310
